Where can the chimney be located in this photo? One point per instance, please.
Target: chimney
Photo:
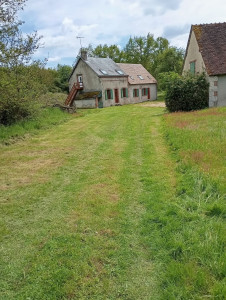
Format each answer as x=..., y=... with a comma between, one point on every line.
x=84, y=54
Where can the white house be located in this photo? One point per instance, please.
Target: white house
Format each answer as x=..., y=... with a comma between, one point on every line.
x=206, y=52
x=100, y=82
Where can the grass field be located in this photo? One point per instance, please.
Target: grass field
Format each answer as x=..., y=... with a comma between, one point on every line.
x=115, y=205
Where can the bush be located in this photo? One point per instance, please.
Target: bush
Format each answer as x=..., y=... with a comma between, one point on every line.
x=187, y=93
x=165, y=79
x=12, y=111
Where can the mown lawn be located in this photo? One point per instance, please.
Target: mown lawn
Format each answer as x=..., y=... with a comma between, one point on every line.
x=106, y=206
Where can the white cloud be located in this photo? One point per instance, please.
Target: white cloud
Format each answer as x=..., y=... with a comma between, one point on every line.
x=53, y=59
x=113, y=21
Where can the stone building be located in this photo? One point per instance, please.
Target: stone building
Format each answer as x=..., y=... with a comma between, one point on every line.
x=100, y=82
x=206, y=52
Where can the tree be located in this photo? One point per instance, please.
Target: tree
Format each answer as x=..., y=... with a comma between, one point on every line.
x=169, y=60
x=62, y=74
x=8, y=10
x=15, y=49
x=141, y=50
x=112, y=52
x=20, y=83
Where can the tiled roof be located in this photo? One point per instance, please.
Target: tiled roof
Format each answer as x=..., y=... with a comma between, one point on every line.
x=102, y=67
x=211, y=39
x=136, y=72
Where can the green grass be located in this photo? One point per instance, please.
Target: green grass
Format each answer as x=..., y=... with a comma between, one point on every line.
x=161, y=96
x=47, y=118
x=199, y=139
x=104, y=207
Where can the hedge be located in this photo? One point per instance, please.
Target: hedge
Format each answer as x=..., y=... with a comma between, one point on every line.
x=187, y=93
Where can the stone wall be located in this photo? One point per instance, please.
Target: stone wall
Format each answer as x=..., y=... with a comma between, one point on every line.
x=85, y=103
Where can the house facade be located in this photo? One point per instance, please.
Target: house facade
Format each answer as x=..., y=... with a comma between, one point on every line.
x=142, y=86
x=206, y=52
x=104, y=83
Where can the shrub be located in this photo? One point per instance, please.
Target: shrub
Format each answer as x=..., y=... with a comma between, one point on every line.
x=12, y=110
x=187, y=93
x=165, y=79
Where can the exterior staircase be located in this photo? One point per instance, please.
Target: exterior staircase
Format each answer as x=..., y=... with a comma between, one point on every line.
x=71, y=96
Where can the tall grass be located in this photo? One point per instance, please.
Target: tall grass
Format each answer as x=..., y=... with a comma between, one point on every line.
x=47, y=118
x=198, y=139
x=187, y=235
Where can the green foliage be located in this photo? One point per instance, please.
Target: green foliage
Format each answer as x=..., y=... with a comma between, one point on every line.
x=45, y=118
x=21, y=80
x=141, y=50
x=9, y=8
x=49, y=99
x=169, y=60
x=61, y=80
x=111, y=51
x=20, y=89
x=187, y=93
x=166, y=79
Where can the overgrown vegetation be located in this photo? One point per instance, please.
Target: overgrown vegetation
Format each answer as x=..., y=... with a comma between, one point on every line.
x=187, y=93
x=62, y=73
x=23, y=80
x=194, y=220
x=45, y=118
x=19, y=84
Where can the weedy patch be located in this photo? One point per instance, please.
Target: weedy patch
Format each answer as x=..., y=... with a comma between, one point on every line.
x=205, y=145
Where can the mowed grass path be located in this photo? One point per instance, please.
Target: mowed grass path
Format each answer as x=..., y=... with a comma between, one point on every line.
x=81, y=209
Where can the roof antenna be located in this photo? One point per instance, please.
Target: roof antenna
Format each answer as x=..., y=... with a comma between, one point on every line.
x=80, y=37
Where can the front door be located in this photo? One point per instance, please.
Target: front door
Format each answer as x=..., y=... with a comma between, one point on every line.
x=149, y=95
x=100, y=103
x=116, y=96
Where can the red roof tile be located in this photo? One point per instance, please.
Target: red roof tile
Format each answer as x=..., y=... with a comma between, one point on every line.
x=135, y=71
x=211, y=39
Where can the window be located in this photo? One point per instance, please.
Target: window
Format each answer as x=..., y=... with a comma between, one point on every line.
x=192, y=67
x=108, y=94
x=144, y=91
x=120, y=72
x=104, y=72
x=136, y=93
x=132, y=77
x=215, y=93
x=140, y=77
x=124, y=92
x=215, y=83
x=80, y=80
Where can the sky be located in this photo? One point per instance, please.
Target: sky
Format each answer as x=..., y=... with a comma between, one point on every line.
x=109, y=22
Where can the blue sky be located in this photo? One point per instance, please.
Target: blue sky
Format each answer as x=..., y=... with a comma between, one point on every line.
x=112, y=22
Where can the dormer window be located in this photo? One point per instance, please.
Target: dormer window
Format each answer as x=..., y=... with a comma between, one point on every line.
x=132, y=77
x=139, y=76
x=104, y=72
